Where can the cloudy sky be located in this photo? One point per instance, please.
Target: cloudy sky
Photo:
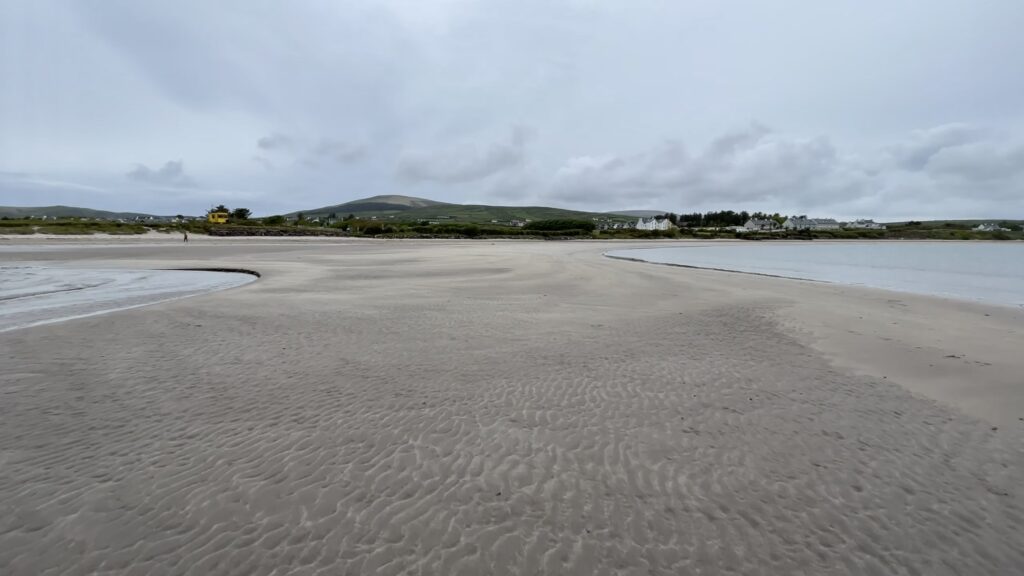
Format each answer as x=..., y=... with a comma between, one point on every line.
x=847, y=108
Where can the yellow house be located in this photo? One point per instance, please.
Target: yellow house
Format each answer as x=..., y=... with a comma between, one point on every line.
x=217, y=217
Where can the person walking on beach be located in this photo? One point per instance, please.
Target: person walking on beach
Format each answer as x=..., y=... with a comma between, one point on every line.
x=186, y=237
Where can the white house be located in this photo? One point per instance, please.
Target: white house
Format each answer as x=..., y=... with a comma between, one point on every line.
x=867, y=224
x=990, y=227
x=757, y=224
x=796, y=223
x=652, y=224
x=616, y=225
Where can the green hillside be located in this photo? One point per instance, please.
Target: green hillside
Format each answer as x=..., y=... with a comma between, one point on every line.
x=960, y=224
x=411, y=209
x=65, y=212
x=372, y=206
x=639, y=213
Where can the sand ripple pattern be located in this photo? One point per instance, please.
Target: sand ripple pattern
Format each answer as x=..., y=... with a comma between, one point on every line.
x=404, y=418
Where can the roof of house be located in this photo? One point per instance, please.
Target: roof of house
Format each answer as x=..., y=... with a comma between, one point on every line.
x=814, y=220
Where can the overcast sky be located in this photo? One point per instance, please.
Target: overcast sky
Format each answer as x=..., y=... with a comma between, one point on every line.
x=846, y=108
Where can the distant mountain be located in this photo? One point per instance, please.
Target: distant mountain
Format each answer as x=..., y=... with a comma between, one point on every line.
x=407, y=208
x=389, y=203
x=640, y=213
x=388, y=207
x=66, y=212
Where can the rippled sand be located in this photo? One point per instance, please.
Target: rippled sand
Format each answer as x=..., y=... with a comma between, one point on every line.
x=507, y=408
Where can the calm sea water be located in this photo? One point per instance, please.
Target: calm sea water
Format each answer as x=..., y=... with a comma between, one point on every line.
x=987, y=271
x=34, y=295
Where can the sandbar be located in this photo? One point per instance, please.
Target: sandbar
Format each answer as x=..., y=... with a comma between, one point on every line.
x=476, y=407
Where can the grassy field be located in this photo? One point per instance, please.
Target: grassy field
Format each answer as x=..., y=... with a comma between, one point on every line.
x=68, y=226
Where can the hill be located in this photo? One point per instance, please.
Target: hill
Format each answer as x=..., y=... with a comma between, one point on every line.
x=407, y=208
x=640, y=213
x=374, y=205
x=66, y=212
x=954, y=223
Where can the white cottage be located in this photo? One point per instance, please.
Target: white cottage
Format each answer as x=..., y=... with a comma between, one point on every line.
x=865, y=224
x=990, y=227
x=811, y=224
x=758, y=224
x=652, y=224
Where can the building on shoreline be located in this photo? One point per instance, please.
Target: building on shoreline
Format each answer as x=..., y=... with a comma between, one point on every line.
x=801, y=223
x=990, y=227
x=864, y=224
x=616, y=225
x=761, y=225
x=652, y=224
x=511, y=223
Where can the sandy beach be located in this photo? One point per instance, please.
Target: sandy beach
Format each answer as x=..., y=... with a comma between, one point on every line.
x=477, y=407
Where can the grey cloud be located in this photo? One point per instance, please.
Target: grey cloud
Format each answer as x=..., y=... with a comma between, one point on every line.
x=979, y=162
x=770, y=167
x=923, y=145
x=340, y=152
x=600, y=179
x=512, y=187
x=171, y=174
x=465, y=163
x=736, y=142
x=307, y=153
x=959, y=165
x=28, y=185
x=274, y=141
x=264, y=162
x=752, y=165
x=607, y=84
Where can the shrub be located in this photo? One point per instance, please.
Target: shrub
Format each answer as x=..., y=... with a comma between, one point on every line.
x=559, y=224
x=17, y=230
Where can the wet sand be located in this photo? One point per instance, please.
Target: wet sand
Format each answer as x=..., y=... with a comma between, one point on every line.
x=385, y=407
x=34, y=295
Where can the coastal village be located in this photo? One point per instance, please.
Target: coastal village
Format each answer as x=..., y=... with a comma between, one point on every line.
x=407, y=217
x=221, y=221
x=655, y=223
x=757, y=225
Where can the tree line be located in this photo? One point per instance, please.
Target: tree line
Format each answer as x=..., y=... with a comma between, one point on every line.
x=713, y=219
x=236, y=214
x=721, y=219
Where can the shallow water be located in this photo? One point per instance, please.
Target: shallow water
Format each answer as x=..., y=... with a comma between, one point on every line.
x=991, y=272
x=34, y=295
